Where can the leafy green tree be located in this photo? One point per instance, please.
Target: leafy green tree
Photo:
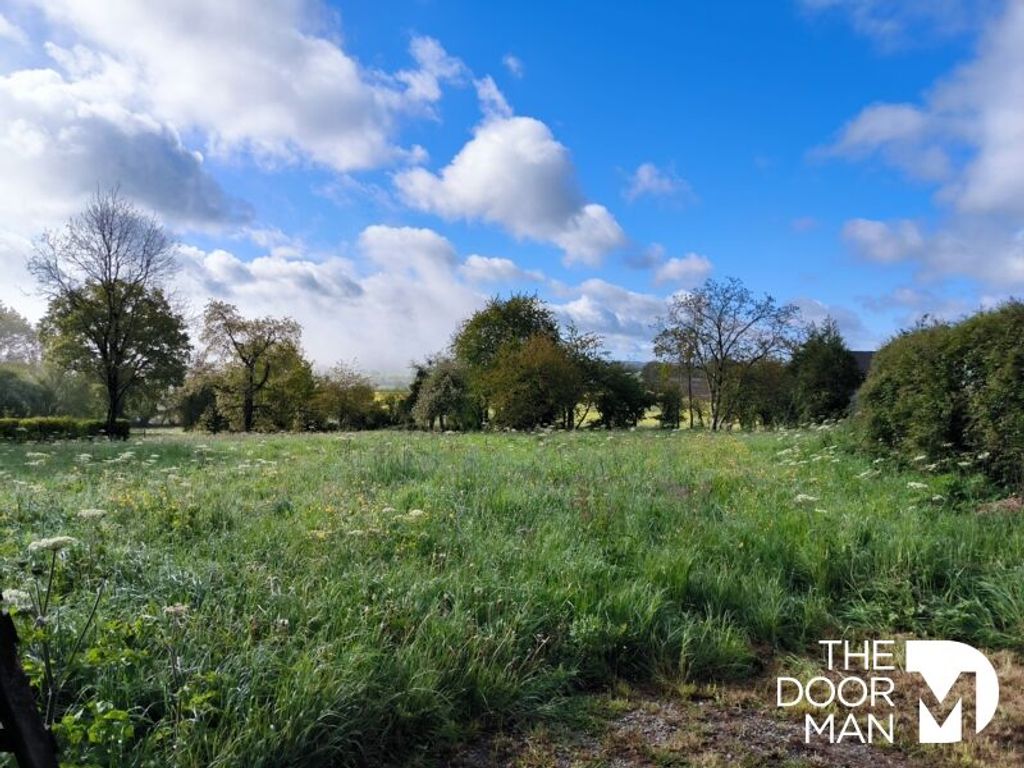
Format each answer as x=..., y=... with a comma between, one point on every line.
x=533, y=384
x=503, y=323
x=244, y=348
x=18, y=340
x=195, y=397
x=149, y=344
x=108, y=315
x=498, y=329
x=287, y=401
x=913, y=399
x=766, y=398
x=348, y=398
x=623, y=399
x=825, y=374
x=20, y=396
x=723, y=329
x=444, y=396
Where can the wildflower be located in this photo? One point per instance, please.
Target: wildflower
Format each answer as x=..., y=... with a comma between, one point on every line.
x=91, y=514
x=866, y=473
x=920, y=457
x=802, y=497
x=176, y=611
x=938, y=497
x=19, y=598
x=917, y=486
x=414, y=514
x=54, y=544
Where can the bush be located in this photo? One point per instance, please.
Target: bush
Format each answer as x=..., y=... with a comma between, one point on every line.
x=58, y=428
x=953, y=391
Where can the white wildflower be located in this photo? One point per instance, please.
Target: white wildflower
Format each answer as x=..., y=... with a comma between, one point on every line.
x=91, y=514
x=917, y=486
x=804, y=497
x=19, y=598
x=54, y=544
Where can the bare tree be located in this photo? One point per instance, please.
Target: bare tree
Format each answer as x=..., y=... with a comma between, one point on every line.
x=721, y=329
x=250, y=343
x=108, y=315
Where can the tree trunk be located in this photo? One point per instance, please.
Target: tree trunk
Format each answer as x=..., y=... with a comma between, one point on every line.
x=689, y=391
x=113, y=404
x=249, y=400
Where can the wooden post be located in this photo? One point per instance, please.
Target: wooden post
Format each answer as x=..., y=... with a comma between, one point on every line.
x=23, y=731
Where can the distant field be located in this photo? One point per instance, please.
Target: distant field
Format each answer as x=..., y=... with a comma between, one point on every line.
x=315, y=600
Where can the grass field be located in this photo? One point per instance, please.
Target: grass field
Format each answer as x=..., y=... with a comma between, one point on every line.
x=333, y=600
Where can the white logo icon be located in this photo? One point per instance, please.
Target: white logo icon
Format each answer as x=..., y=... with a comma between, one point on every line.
x=940, y=663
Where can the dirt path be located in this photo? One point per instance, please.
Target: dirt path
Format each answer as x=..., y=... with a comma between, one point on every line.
x=719, y=726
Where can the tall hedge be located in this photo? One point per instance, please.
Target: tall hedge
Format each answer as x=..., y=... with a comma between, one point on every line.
x=57, y=428
x=953, y=390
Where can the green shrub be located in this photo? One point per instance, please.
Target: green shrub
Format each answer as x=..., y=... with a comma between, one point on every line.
x=952, y=391
x=57, y=428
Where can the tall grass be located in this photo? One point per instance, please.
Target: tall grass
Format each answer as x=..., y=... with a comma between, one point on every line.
x=380, y=597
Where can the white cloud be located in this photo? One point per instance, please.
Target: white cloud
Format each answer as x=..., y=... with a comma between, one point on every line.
x=884, y=242
x=854, y=332
x=514, y=65
x=898, y=24
x=652, y=181
x=405, y=306
x=264, y=82
x=514, y=173
x=492, y=100
x=686, y=271
x=903, y=135
x=623, y=317
x=61, y=139
x=967, y=137
x=491, y=269
x=12, y=32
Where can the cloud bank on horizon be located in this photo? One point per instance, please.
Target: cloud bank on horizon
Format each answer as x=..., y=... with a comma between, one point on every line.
x=378, y=184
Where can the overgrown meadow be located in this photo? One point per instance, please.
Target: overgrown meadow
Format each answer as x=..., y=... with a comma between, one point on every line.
x=381, y=597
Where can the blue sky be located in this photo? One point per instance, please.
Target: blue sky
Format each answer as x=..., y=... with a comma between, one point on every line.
x=377, y=169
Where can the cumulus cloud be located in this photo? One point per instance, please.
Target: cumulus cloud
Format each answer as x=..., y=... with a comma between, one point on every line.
x=491, y=269
x=398, y=299
x=686, y=271
x=650, y=180
x=883, y=242
x=514, y=173
x=266, y=83
x=62, y=138
x=624, y=318
x=967, y=137
x=971, y=247
x=968, y=132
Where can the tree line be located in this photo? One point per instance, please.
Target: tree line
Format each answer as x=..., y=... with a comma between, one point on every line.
x=115, y=340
